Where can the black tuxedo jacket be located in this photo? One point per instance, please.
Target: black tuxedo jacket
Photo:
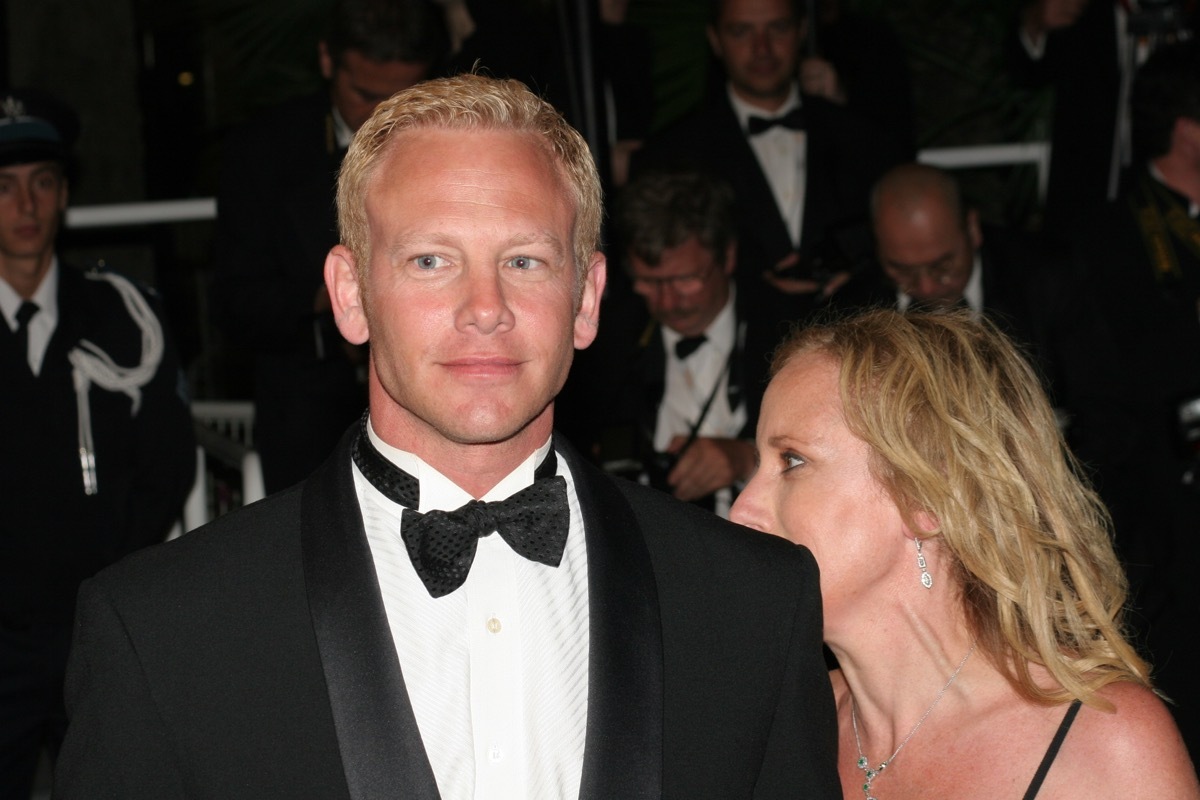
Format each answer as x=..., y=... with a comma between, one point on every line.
x=1080, y=63
x=253, y=659
x=845, y=155
x=277, y=221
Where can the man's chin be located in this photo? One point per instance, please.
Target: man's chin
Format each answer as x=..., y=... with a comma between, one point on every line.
x=488, y=426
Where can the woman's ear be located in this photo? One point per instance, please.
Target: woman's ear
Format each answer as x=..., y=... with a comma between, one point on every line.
x=925, y=522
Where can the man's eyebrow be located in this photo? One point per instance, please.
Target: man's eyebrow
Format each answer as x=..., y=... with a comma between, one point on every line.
x=934, y=262
x=417, y=240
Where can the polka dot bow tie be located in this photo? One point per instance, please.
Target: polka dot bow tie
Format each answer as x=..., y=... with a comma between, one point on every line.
x=441, y=544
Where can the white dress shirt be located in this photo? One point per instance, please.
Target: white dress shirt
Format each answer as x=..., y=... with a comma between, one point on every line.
x=783, y=155
x=497, y=671
x=689, y=383
x=43, y=323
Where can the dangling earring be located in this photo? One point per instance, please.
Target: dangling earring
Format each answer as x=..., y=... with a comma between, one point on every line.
x=926, y=578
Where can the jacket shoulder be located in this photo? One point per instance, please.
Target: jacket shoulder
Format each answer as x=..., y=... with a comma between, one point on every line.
x=212, y=558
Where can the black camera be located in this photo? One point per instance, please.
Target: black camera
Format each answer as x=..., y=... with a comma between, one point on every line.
x=656, y=467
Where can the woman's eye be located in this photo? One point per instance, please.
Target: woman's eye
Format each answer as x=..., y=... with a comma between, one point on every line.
x=791, y=461
x=429, y=262
x=522, y=262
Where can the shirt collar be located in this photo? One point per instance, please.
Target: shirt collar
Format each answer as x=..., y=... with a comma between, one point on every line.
x=720, y=333
x=1193, y=207
x=46, y=298
x=341, y=131
x=439, y=492
x=973, y=293
x=744, y=110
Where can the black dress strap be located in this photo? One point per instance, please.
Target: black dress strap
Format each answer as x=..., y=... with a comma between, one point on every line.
x=1052, y=752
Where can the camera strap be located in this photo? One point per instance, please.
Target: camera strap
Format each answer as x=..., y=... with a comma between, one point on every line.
x=694, y=429
x=1160, y=216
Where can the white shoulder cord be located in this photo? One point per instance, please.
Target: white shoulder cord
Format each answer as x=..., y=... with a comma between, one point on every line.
x=91, y=365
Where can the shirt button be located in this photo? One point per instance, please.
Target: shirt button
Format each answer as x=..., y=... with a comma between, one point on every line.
x=494, y=754
x=493, y=625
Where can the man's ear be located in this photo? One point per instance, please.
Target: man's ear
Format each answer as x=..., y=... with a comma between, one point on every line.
x=730, y=258
x=713, y=41
x=1185, y=135
x=345, y=295
x=974, y=230
x=324, y=60
x=587, y=317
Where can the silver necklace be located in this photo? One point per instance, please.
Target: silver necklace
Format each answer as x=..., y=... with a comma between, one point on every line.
x=864, y=765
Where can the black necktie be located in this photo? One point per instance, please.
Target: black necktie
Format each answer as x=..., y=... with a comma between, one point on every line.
x=793, y=120
x=25, y=313
x=688, y=345
x=441, y=544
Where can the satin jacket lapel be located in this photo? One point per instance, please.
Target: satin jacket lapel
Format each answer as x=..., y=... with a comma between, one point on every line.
x=623, y=747
x=382, y=752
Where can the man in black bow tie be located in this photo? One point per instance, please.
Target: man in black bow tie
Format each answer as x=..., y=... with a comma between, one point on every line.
x=276, y=224
x=801, y=166
x=456, y=604
x=679, y=369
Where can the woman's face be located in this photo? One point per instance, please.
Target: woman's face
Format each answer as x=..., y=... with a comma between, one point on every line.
x=814, y=486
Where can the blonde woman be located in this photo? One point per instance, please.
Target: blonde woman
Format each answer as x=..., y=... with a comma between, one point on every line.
x=971, y=593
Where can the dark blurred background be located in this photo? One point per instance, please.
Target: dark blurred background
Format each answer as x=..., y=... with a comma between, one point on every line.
x=158, y=82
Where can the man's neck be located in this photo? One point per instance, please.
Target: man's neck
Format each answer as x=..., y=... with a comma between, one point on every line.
x=474, y=468
x=769, y=105
x=25, y=274
x=1180, y=175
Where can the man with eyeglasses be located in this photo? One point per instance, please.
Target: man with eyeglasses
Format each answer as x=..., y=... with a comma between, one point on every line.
x=682, y=366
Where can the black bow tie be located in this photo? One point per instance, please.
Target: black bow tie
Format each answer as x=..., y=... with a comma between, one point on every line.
x=442, y=544
x=793, y=119
x=688, y=345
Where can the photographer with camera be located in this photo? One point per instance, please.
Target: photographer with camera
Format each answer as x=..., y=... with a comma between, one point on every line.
x=675, y=378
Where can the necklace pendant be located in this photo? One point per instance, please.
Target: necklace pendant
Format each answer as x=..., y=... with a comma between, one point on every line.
x=862, y=762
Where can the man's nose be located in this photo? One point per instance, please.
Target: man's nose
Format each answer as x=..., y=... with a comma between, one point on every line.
x=762, y=43
x=26, y=199
x=927, y=286
x=484, y=305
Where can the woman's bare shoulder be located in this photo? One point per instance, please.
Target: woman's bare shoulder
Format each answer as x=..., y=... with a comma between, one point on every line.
x=1133, y=751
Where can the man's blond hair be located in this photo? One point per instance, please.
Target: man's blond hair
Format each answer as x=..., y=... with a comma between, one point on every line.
x=469, y=102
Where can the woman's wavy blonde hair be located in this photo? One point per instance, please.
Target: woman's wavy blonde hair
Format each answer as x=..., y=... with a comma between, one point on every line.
x=469, y=102
x=960, y=428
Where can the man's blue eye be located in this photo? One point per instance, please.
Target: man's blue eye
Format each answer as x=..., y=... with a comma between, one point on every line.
x=428, y=262
x=522, y=262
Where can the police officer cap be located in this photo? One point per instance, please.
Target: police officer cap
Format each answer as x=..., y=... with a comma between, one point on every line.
x=35, y=126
